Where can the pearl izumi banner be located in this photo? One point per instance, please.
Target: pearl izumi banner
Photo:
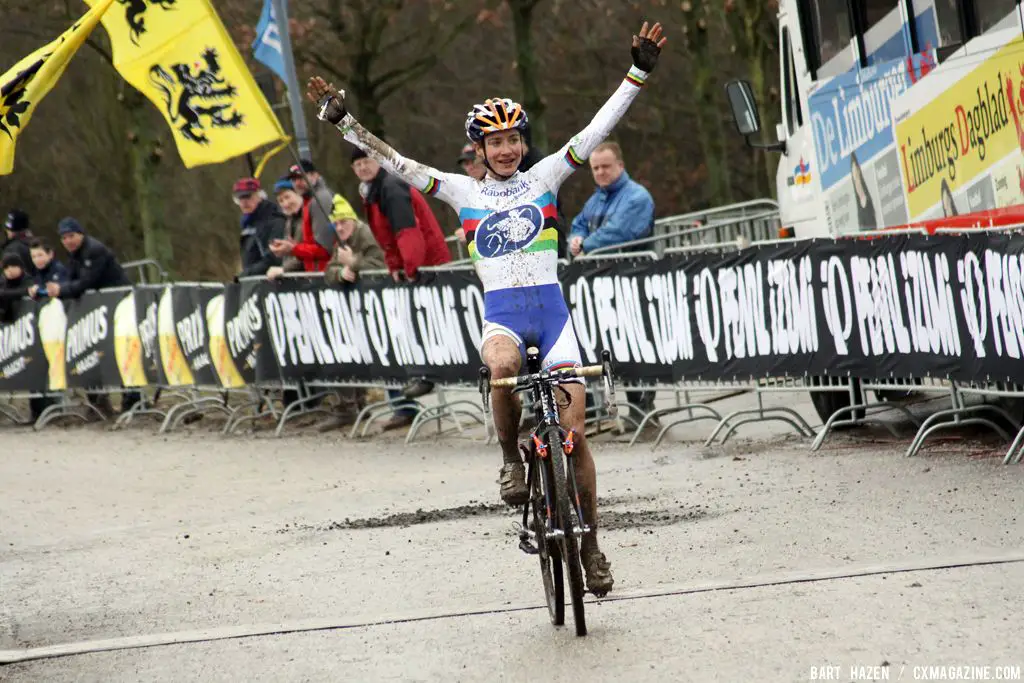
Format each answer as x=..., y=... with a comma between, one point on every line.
x=899, y=307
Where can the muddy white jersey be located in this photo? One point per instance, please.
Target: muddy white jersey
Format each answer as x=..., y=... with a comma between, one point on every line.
x=510, y=224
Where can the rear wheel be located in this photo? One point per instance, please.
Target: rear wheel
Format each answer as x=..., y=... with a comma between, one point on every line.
x=566, y=513
x=549, y=554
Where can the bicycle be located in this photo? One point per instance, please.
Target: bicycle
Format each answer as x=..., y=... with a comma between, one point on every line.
x=554, y=503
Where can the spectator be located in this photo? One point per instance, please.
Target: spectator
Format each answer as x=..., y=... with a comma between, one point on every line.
x=14, y=285
x=317, y=200
x=91, y=265
x=48, y=269
x=356, y=250
x=474, y=168
x=408, y=233
x=290, y=203
x=620, y=210
x=262, y=223
x=18, y=238
x=300, y=249
x=470, y=163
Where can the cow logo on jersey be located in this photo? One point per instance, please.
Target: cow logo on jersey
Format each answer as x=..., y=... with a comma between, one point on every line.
x=504, y=232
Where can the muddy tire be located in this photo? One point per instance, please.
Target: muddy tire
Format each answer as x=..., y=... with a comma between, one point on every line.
x=567, y=520
x=549, y=553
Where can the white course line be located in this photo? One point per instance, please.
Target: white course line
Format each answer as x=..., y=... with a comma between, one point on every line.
x=327, y=624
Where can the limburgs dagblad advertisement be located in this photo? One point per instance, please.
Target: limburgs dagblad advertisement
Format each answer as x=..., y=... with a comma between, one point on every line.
x=189, y=307
x=175, y=365
x=960, y=145
x=89, y=354
x=857, y=161
x=147, y=304
x=22, y=361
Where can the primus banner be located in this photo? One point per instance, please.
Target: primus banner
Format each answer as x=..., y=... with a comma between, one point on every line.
x=903, y=306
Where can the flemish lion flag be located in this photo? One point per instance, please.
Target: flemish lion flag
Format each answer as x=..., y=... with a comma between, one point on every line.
x=178, y=54
x=28, y=81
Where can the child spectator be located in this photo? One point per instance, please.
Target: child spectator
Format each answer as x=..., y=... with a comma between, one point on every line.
x=48, y=269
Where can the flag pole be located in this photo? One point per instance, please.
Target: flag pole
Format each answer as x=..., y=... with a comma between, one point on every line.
x=294, y=93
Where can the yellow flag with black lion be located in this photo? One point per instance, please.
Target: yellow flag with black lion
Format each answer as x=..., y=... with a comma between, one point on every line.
x=178, y=54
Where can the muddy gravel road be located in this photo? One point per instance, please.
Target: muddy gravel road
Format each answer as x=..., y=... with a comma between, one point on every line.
x=316, y=557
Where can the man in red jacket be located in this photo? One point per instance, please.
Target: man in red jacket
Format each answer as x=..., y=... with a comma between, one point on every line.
x=408, y=233
x=401, y=220
x=313, y=251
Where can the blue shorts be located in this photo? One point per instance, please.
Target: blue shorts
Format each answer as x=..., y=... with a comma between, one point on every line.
x=534, y=316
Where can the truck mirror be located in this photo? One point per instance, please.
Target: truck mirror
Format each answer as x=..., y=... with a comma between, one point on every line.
x=744, y=107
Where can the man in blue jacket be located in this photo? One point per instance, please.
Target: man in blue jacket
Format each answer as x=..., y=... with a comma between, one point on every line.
x=620, y=210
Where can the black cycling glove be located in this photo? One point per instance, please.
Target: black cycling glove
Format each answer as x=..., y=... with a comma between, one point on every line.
x=645, y=55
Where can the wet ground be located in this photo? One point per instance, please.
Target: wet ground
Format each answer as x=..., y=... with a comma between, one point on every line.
x=318, y=557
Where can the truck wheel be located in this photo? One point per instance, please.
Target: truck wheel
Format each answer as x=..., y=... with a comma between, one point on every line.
x=826, y=403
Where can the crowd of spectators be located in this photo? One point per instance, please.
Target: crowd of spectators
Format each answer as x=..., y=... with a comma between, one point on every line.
x=308, y=227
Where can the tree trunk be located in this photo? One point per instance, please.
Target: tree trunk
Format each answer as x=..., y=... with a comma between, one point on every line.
x=526, y=65
x=146, y=155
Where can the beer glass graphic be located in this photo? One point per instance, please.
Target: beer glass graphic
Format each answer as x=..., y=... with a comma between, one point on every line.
x=128, y=344
x=176, y=368
x=53, y=326
x=220, y=354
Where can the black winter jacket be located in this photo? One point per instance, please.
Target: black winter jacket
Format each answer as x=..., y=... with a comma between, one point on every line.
x=259, y=229
x=93, y=266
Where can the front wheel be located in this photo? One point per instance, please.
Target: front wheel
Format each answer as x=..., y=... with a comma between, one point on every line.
x=567, y=521
x=549, y=553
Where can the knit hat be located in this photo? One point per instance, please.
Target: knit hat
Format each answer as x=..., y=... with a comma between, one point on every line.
x=12, y=259
x=69, y=225
x=358, y=153
x=282, y=185
x=246, y=186
x=17, y=221
x=341, y=210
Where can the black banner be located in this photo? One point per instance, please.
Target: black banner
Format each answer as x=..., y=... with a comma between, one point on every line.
x=90, y=360
x=147, y=303
x=375, y=330
x=23, y=365
x=899, y=307
x=188, y=303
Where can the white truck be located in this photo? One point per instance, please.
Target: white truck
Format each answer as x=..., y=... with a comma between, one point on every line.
x=895, y=113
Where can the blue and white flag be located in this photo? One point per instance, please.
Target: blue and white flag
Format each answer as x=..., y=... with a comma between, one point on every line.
x=267, y=46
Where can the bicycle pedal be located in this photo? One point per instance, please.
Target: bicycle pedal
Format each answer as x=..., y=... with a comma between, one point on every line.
x=528, y=547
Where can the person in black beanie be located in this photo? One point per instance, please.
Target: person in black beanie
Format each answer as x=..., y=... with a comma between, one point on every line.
x=19, y=236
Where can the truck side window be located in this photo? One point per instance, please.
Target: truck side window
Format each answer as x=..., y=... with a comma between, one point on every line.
x=831, y=28
x=883, y=31
x=948, y=18
x=992, y=12
x=794, y=112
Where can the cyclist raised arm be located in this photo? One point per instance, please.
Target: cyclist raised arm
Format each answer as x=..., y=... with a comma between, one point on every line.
x=510, y=222
x=557, y=167
x=331, y=107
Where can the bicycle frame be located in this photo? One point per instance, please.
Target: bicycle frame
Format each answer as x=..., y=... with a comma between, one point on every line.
x=541, y=387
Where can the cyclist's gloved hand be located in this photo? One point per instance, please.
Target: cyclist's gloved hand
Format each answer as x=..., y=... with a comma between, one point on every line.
x=647, y=46
x=330, y=102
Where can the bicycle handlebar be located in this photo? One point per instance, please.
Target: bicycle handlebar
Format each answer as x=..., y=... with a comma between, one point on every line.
x=557, y=375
